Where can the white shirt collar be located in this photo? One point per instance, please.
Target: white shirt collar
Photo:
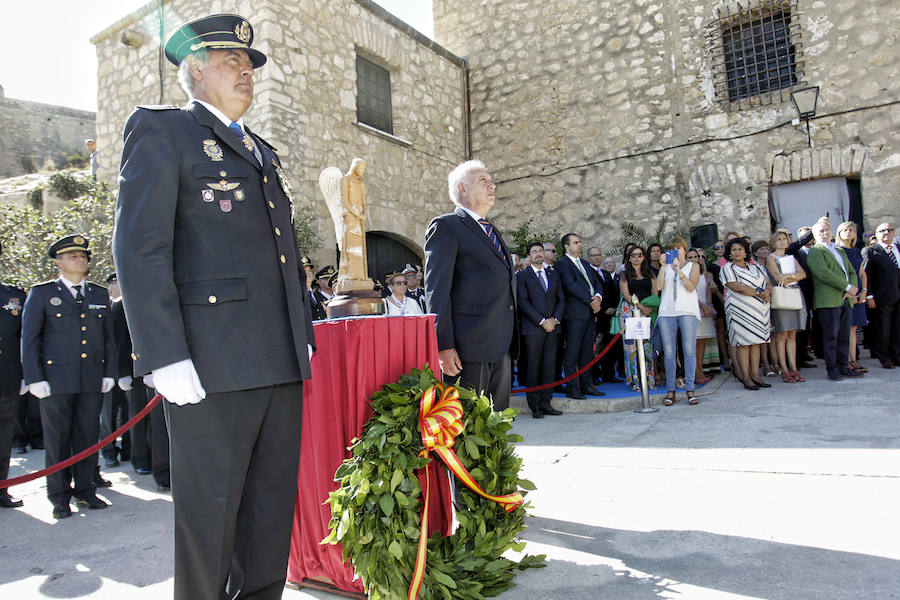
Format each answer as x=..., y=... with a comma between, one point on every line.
x=219, y=114
x=471, y=213
x=575, y=260
x=70, y=284
x=537, y=270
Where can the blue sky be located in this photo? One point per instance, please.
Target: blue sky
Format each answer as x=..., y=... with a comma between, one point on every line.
x=47, y=55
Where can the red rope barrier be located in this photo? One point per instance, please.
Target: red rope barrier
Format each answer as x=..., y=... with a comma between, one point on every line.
x=86, y=452
x=573, y=375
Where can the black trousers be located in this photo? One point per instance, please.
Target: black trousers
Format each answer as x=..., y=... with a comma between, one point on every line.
x=541, y=352
x=234, y=460
x=28, y=422
x=835, y=324
x=150, y=436
x=70, y=425
x=114, y=414
x=9, y=406
x=491, y=378
x=885, y=328
x=579, y=336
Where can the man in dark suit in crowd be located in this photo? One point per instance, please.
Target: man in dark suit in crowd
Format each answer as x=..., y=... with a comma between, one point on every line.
x=215, y=296
x=609, y=305
x=114, y=409
x=541, y=301
x=67, y=350
x=583, y=301
x=469, y=286
x=318, y=309
x=149, y=436
x=12, y=299
x=882, y=261
x=412, y=276
x=323, y=291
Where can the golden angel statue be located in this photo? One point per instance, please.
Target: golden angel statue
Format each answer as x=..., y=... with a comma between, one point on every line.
x=345, y=196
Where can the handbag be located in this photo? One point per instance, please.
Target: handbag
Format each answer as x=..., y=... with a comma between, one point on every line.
x=786, y=298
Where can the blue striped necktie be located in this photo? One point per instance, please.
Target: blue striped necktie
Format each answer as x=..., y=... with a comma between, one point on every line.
x=489, y=229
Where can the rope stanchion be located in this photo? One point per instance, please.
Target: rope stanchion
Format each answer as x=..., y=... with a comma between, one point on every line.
x=573, y=375
x=87, y=451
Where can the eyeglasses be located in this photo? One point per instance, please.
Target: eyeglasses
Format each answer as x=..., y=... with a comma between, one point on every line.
x=594, y=255
x=636, y=254
x=884, y=230
x=401, y=282
x=719, y=247
x=553, y=250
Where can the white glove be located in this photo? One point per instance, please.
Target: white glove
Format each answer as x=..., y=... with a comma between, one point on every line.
x=39, y=389
x=179, y=383
x=125, y=383
x=148, y=380
x=107, y=384
x=309, y=347
x=23, y=388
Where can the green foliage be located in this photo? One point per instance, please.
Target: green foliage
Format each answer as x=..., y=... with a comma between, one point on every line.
x=523, y=236
x=27, y=234
x=36, y=198
x=632, y=233
x=376, y=510
x=307, y=233
x=69, y=185
x=77, y=160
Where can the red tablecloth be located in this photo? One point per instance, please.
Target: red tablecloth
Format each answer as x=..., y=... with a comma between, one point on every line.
x=353, y=359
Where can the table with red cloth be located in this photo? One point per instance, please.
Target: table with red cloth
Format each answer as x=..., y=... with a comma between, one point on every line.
x=354, y=358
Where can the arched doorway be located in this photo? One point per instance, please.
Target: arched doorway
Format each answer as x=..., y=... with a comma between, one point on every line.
x=387, y=252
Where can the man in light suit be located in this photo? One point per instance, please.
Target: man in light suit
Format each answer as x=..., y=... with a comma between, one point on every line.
x=215, y=297
x=469, y=286
x=541, y=302
x=583, y=301
x=834, y=287
x=882, y=260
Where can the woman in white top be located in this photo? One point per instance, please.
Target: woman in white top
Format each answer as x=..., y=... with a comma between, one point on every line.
x=786, y=271
x=679, y=308
x=707, y=328
x=398, y=303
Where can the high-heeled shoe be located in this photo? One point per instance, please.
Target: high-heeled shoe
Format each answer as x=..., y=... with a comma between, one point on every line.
x=691, y=398
x=761, y=384
x=669, y=399
x=797, y=377
x=787, y=377
x=750, y=387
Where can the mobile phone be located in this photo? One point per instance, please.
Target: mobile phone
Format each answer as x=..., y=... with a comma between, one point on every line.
x=671, y=255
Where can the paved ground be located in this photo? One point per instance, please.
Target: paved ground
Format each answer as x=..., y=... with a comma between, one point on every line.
x=790, y=493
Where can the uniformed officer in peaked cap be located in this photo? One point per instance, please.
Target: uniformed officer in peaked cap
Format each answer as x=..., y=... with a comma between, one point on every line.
x=12, y=299
x=215, y=298
x=67, y=346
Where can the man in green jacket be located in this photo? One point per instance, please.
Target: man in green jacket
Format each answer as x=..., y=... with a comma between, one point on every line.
x=835, y=288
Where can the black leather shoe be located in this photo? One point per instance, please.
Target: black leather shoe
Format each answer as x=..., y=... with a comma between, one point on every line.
x=613, y=380
x=762, y=384
x=887, y=364
x=576, y=394
x=111, y=462
x=101, y=483
x=835, y=377
x=537, y=414
x=164, y=487
x=19, y=449
x=592, y=391
x=92, y=502
x=142, y=470
x=849, y=373
x=7, y=501
x=61, y=511
x=549, y=410
x=37, y=445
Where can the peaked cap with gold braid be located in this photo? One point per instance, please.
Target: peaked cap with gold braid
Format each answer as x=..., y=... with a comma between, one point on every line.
x=215, y=32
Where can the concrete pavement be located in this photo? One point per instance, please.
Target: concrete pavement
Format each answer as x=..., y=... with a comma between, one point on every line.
x=786, y=493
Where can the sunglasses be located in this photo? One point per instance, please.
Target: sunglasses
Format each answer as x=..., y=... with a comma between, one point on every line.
x=719, y=247
x=885, y=230
x=636, y=254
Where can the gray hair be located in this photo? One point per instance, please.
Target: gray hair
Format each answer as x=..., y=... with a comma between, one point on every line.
x=196, y=59
x=459, y=175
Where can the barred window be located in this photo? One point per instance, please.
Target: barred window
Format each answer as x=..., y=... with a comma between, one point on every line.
x=373, y=95
x=759, y=54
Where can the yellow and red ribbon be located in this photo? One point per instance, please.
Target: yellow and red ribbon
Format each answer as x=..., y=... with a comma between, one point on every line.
x=440, y=421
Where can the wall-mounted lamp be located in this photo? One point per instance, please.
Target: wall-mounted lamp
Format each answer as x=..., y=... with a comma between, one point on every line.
x=132, y=38
x=804, y=101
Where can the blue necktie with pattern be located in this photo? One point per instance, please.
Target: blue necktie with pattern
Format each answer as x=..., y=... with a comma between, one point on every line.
x=489, y=230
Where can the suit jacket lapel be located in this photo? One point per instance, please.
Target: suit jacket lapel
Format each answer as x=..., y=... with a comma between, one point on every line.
x=477, y=230
x=204, y=117
x=65, y=294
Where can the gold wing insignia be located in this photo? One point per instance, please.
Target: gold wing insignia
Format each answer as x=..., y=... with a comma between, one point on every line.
x=223, y=186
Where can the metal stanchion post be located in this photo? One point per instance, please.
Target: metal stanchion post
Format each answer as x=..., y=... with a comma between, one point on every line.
x=642, y=372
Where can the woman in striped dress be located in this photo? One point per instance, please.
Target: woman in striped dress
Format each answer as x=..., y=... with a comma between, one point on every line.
x=746, y=310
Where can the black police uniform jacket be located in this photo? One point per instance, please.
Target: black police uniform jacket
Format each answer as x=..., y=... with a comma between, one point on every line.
x=206, y=255
x=64, y=343
x=12, y=300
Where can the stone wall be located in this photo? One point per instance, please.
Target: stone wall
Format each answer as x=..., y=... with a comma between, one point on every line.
x=595, y=113
x=36, y=133
x=305, y=101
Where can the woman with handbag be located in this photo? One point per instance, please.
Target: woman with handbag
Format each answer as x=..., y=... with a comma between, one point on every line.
x=637, y=280
x=746, y=310
x=788, y=308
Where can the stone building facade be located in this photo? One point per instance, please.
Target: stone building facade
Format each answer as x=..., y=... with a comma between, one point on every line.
x=306, y=101
x=35, y=134
x=595, y=113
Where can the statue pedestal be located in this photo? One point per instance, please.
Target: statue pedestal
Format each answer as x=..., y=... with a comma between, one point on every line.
x=355, y=303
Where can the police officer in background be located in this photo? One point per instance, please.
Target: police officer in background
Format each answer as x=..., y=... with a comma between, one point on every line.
x=214, y=293
x=318, y=309
x=66, y=340
x=12, y=299
x=114, y=410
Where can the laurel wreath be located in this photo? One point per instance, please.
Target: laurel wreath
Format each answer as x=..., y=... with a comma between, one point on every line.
x=375, y=513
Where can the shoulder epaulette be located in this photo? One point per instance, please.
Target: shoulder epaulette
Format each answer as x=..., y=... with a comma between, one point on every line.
x=273, y=148
x=97, y=285
x=159, y=106
x=43, y=283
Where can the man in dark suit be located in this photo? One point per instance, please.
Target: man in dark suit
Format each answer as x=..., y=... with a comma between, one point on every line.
x=469, y=286
x=799, y=249
x=67, y=349
x=114, y=408
x=608, y=306
x=412, y=276
x=882, y=261
x=541, y=302
x=584, y=298
x=12, y=299
x=215, y=297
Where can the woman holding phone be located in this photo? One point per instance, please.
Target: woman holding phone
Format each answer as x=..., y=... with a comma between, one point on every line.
x=679, y=309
